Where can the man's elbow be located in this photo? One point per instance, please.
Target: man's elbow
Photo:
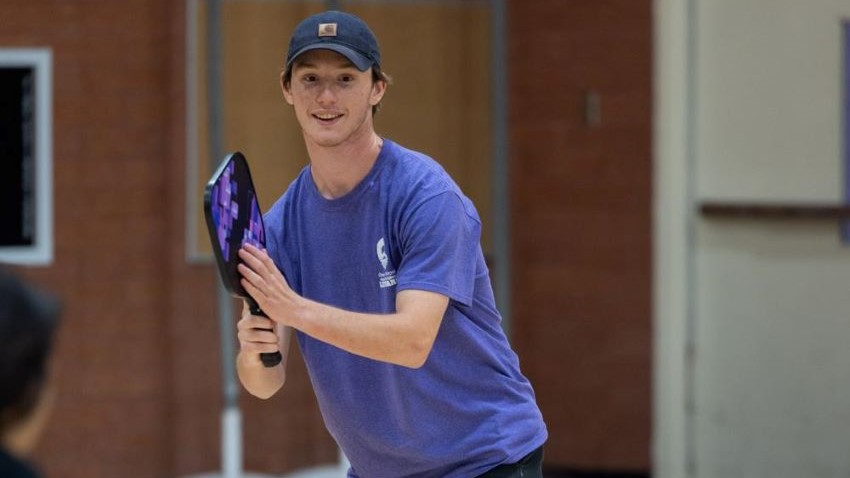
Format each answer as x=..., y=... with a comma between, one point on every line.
x=418, y=353
x=264, y=393
x=267, y=391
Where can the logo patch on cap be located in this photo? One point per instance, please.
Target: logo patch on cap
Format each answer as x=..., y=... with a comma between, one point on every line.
x=327, y=29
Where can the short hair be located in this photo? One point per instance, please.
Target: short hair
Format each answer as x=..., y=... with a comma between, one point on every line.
x=28, y=319
x=377, y=75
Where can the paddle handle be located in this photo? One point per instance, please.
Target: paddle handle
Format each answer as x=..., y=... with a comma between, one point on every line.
x=269, y=359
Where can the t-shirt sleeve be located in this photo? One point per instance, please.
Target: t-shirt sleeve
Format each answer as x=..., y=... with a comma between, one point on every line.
x=439, y=247
x=273, y=221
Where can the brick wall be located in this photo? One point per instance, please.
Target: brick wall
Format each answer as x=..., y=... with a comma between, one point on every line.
x=136, y=364
x=581, y=224
x=110, y=145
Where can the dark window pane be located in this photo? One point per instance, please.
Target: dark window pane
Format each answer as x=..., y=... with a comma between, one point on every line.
x=17, y=160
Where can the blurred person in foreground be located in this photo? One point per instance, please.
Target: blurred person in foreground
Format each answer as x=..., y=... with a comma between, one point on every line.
x=374, y=263
x=28, y=319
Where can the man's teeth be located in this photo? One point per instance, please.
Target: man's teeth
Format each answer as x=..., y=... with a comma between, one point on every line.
x=327, y=116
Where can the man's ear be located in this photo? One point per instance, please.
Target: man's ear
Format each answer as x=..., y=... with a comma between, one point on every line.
x=378, y=89
x=284, y=87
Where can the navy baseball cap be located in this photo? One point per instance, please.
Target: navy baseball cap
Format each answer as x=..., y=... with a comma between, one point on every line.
x=337, y=31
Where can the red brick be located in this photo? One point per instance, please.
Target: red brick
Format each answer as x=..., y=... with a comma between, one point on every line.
x=581, y=224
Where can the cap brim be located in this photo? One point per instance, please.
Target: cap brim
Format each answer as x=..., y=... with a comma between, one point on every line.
x=358, y=59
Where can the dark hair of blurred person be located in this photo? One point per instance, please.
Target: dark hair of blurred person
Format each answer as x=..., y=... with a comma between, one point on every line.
x=28, y=319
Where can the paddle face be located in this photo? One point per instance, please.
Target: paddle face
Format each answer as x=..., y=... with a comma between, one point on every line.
x=233, y=218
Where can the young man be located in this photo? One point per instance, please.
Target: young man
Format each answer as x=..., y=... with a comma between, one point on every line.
x=384, y=284
x=28, y=319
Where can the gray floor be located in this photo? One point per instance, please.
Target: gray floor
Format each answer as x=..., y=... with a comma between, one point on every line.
x=329, y=471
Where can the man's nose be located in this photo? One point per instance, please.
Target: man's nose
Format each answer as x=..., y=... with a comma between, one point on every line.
x=326, y=94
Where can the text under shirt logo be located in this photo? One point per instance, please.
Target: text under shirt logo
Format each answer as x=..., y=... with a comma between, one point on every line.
x=386, y=278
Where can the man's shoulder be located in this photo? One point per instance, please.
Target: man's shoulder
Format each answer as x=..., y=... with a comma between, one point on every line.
x=416, y=172
x=412, y=159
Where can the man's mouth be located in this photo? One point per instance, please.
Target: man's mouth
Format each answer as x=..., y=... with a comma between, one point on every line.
x=327, y=117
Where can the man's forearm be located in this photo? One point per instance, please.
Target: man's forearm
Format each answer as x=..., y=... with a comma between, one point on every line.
x=402, y=338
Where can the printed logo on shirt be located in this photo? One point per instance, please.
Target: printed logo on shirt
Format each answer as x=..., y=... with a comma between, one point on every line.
x=386, y=278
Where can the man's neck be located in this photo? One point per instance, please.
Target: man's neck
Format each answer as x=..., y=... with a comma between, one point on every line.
x=339, y=169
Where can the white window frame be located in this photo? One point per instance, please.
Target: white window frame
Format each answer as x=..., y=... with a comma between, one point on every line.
x=40, y=60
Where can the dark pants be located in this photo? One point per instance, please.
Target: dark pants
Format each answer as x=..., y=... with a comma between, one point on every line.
x=530, y=466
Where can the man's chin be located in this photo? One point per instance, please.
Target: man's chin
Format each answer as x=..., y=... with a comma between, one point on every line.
x=327, y=142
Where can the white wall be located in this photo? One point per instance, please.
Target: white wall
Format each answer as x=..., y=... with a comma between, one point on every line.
x=764, y=304
x=768, y=98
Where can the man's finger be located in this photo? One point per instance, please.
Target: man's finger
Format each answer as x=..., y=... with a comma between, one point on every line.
x=267, y=260
x=251, y=258
x=252, y=252
x=265, y=336
x=263, y=348
x=253, y=291
x=256, y=322
x=250, y=274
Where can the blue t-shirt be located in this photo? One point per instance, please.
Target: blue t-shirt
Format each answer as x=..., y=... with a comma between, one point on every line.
x=407, y=225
